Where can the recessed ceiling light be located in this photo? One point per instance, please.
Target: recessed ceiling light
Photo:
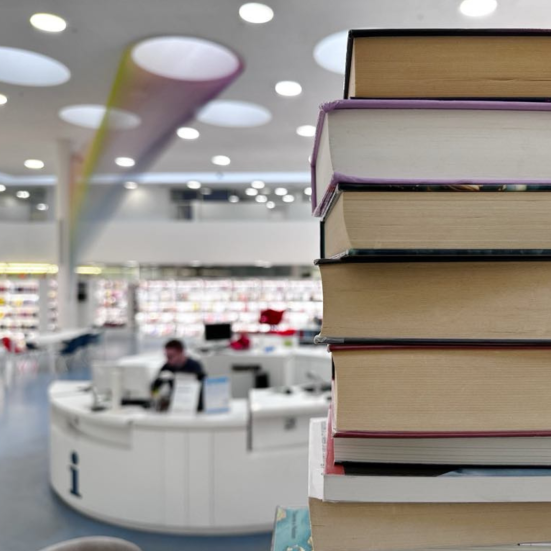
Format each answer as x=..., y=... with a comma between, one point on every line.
x=308, y=191
x=42, y=206
x=270, y=205
x=3, y=99
x=2, y=188
x=92, y=115
x=280, y=191
x=48, y=22
x=185, y=58
x=258, y=184
x=330, y=53
x=253, y=12
x=125, y=162
x=206, y=191
x=194, y=184
x=288, y=198
x=233, y=199
x=288, y=88
x=306, y=130
x=221, y=160
x=187, y=133
x=22, y=194
x=477, y=8
x=131, y=185
x=261, y=199
x=251, y=192
x=234, y=114
x=34, y=164
x=26, y=68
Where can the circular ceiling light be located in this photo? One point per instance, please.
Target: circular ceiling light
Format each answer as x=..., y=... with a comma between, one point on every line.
x=233, y=199
x=3, y=99
x=125, y=162
x=23, y=194
x=270, y=205
x=330, y=52
x=221, y=160
x=42, y=206
x=280, y=191
x=187, y=133
x=91, y=116
x=185, y=58
x=306, y=130
x=234, y=114
x=251, y=192
x=131, y=185
x=308, y=191
x=34, y=164
x=261, y=199
x=194, y=184
x=258, y=184
x=2, y=188
x=477, y=8
x=288, y=198
x=48, y=22
x=254, y=12
x=26, y=68
x=288, y=88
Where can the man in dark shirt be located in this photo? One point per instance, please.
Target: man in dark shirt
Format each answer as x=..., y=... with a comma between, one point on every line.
x=177, y=361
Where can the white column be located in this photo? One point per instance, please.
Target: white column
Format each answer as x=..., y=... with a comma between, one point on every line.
x=66, y=278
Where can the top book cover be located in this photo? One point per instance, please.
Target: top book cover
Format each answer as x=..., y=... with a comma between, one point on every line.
x=448, y=64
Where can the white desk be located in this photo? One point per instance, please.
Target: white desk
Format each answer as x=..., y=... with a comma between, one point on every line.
x=175, y=474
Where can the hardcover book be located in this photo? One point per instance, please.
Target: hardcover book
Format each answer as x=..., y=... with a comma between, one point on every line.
x=388, y=300
x=448, y=63
x=398, y=142
x=445, y=390
x=404, y=222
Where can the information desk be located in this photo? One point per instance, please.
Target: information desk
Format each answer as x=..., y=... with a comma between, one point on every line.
x=288, y=366
x=169, y=473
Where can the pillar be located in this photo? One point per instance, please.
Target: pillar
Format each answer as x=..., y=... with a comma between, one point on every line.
x=66, y=277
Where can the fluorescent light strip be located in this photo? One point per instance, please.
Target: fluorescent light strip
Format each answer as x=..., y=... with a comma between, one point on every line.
x=244, y=178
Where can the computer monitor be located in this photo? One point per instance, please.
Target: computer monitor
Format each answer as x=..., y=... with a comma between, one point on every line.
x=218, y=331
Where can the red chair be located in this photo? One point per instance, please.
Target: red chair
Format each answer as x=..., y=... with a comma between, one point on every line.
x=271, y=317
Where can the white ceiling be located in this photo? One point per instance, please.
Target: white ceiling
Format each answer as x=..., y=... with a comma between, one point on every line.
x=99, y=30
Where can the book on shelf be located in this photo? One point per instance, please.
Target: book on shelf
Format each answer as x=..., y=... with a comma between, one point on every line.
x=403, y=222
x=352, y=525
x=422, y=391
x=448, y=63
x=436, y=299
x=430, y=142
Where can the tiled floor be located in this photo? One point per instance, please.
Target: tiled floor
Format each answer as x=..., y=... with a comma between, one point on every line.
x=31, y=517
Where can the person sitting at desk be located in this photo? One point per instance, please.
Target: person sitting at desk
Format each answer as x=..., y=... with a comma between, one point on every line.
x=177, y=361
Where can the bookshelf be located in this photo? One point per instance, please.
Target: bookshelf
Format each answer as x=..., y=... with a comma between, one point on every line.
x=27, y=306
x=111, y=303
x=181, y=308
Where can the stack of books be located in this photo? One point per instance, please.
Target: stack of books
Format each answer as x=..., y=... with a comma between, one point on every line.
x=433, y=181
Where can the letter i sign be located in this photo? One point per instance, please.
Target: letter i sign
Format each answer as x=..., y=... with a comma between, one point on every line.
x=74, y=475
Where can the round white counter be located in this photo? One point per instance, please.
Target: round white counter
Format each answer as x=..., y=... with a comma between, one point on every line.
x=170, y=473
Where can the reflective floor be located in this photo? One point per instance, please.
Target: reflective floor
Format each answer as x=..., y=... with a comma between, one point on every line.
x=31, y=517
